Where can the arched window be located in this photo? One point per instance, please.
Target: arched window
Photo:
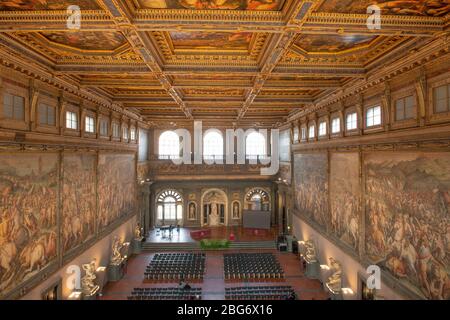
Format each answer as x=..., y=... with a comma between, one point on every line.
x=258, y=199
x=255, y=145
x=169, y=207
x=213, y=145
x=169, y=145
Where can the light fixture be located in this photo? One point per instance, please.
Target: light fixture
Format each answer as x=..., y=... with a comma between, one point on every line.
x=75, y=295
x=348, y=291
x=101, y=269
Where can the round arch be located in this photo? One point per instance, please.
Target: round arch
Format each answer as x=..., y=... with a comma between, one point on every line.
x=213, y=143
x=260, y=195
x=169, y=207
x=202, y=202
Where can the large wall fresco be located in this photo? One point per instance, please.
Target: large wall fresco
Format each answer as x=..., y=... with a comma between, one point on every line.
x=407, y=218
x=311, y=187
x=79, y=200
x=116, y=187
x=345, y=198
x=33, y=184
x=28, y=216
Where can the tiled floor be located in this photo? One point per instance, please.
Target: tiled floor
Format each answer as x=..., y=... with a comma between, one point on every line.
x=214, y=285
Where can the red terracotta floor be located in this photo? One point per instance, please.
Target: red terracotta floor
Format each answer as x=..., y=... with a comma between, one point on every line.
x=213, y=285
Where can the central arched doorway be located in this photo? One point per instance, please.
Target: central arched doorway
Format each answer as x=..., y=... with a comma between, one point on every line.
x=214, y=208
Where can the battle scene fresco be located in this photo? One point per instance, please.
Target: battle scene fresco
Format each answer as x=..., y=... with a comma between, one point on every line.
x=345, y=198
x=28, y=216
x=332, y=43
x=311, y=187
x=79, y=200
x=87, y=40
x=117, y=189
x=433, y=8
x=262, y=5
x=15, y=5
x=211, y=40
x=407, y=218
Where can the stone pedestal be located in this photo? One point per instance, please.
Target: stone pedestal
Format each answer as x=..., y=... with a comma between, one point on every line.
x=92, y=294
x=334, y=295
x=116, y=271
x=289, y=240
x=136, y=246
x=101, y=275
x=312, y=270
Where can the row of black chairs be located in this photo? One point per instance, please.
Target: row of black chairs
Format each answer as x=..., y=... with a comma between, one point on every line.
x=260, y=293
x=170, y=267
x=252, y=267
x=165, y=294
x=178, y=256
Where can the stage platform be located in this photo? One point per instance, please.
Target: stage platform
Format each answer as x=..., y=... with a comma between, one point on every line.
x=240, y=235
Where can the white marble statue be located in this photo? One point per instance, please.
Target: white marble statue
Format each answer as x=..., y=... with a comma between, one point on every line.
x=214, y=218
x=88, y=281
x=235, y=210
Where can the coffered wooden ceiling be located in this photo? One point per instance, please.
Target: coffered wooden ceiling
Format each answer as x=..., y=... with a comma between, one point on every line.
x=242, y=62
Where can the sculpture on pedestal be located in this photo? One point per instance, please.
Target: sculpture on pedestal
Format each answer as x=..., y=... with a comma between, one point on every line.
x=334, y=282
x=310, y=251
x=116, y=257
x=88, y=285
x=138, y=231
x=214, y=216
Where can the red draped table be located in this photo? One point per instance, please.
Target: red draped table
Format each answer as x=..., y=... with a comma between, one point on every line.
x=201, y=234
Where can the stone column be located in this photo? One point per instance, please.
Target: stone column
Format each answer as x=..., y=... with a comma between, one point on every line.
x=145, y=219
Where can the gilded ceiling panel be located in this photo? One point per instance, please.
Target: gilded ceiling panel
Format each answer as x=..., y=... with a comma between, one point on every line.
x=332, y=43
x=211, y=40
x=15, y=5
x=262, y=5
x=91, y=41
x=433, y=8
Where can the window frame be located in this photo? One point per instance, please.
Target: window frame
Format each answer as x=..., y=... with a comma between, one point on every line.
x=125, y=133
x=88, y=125
x=115, y=133
x=323, y=124
x=208, y=155
x=347, y=115
x=258, y=154
x=333, y=123
x=162, y=205
x=76, y=121
x=47, y=107
x=14, y=96
x=403, y=99
x=373, y=116
x=434, y=90
x=312, y=126
x=133, y=133
x=101, y=121
x=168, y=146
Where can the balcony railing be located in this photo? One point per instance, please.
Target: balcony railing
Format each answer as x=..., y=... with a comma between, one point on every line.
x=216, y=158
